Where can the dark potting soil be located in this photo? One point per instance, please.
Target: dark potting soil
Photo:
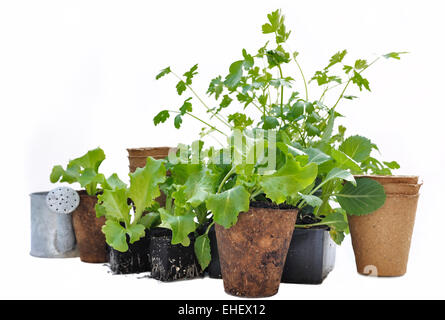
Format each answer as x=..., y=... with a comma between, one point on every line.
x=136, y=260
x=172, y=262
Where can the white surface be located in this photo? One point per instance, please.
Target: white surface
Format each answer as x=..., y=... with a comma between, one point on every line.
x=77, y=75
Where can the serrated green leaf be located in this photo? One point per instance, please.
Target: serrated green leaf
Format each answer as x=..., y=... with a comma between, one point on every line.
x=269, y=122
x=150, y=219
x=392, y=165
x=181, y=87
x=235, y=74
x=394, y=55
x=202, y=250
x=144, y=185
x=115, y=206
x=181, y=226
x=336, y=58
x=288, y=180
x=115, y=235
x=178, y=121
x=163, y=73
x=91, y=160
x=190, y=74
x=56, y=173
x=113, y=183
x=227, y=205
x=161, y=117
x=365, y=198
x=186, y=106
x=136, y=232
x=357, y=147
x=337, y=173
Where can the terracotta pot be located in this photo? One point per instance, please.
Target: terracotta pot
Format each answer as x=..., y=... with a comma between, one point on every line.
x=252, y=252
x=382, y=239
x=138, y=158
x=88, y=229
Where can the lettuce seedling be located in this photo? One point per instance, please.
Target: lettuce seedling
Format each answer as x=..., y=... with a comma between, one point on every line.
x=83, y=170
x=115, y=205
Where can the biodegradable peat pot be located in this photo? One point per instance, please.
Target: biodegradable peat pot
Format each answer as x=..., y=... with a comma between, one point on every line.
x=138, y=156
x=172, y=262
x=136, y=260
x=253, y=251
x=382, y=239
x=52, y=234
x=88, y=229
x=311, y=256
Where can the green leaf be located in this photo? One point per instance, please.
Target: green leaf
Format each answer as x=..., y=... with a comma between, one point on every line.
x=114, y=204
x=343, y=161
x=337, y=173
x=202, y=250
x=365, y=198
x=113, y=183
x=190, y=74
x=316, y=156
x=269, y=122
x=336, y=58
x=216, y=87
x=225, y=101
x=360, y=81
x=392, y=165
x=180, y=226
x=288, y=180
x=329, y=128
x=227, y=205
x=56, y=173
x=275, y=20
x=186, y=106
x=144, y=185
x=394, y=55
x=311, y=200
x=91, y=160
x=181, y=87
x=360, y=64
x=235, y=74
x=357, y=147
x=115, y=235
x=161, y=117
x=150, y=219
x=178, y=121
x=163, y=73
x=136, y=232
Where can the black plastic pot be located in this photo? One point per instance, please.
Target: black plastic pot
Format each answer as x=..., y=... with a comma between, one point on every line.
x=136, y=260
x=172, y=262
x=310, y=258
x=214, y=268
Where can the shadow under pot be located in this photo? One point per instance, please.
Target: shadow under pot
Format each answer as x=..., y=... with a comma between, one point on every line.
x=172, y=262
x=88, y=229
x=52, y=234
x=252, y=252
x=136, y=260
x=381, y=240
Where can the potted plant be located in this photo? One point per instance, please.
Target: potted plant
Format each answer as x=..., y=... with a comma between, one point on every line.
x=85, y=171
x=129, y=212
x=305, y=129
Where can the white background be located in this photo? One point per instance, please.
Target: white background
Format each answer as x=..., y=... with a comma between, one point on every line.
x=75, y=75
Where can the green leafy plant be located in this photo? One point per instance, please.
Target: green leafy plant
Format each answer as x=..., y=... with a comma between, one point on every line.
x=83, y=170
x=315, y=163
x=129, y=210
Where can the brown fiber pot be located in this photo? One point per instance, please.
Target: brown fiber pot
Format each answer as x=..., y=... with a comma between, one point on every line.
x=252, y=252
x=382, y=239
x=138, y=158
x=88, y=230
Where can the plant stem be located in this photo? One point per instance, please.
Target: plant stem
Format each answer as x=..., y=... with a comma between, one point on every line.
x=282, y=92
x=202, y=102
x=304, y=226
x=206, y=123
x=225, y=179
